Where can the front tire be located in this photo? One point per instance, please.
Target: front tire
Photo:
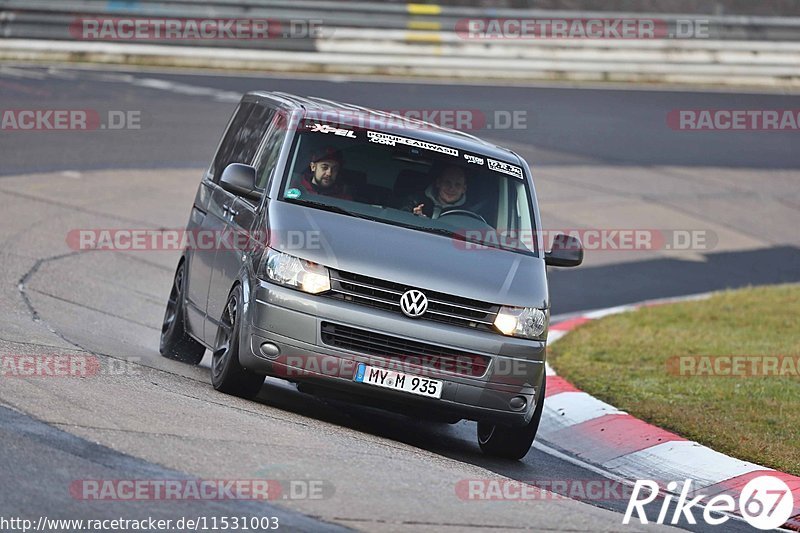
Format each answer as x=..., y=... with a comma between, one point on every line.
x=227, y=374
x=176, y=343
x=511, y=442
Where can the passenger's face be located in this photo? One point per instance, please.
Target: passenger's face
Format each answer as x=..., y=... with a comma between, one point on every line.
x=452, y=185
x=324, y=173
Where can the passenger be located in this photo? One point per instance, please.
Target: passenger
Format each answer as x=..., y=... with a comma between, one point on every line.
x=321, y=176
x=447, y=191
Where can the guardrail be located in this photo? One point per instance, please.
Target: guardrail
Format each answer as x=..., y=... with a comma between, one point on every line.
x=21, y=16
x=411, y=39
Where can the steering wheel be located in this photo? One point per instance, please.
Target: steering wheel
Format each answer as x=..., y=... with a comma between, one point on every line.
x=463, y=212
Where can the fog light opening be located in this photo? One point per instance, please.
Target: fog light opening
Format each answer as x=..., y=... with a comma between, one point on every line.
x=518, y=403
x=270, y=350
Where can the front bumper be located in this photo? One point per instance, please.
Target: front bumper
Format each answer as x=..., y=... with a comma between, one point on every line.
x=290, y=322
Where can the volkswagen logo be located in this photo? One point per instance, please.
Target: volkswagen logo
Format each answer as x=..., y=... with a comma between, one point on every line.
x=413, y=303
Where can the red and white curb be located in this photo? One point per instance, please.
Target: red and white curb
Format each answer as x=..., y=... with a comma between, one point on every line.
x=597, y=433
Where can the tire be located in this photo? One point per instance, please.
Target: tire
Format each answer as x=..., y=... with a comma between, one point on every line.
x=511, y=442
x=176, y=343
x=227, y=374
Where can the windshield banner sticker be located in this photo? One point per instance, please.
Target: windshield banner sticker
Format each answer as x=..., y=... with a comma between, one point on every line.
x=505, y=168
x=392, y=140
x=325, y=128
x=473, y=159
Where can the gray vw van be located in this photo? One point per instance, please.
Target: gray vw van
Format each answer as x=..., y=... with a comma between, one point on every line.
x=372, y=258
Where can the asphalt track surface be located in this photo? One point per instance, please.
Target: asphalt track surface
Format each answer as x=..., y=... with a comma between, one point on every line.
x=604, y=157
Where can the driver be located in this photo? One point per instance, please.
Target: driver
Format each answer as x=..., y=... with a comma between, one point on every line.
x=322, y=173
x=447, y=191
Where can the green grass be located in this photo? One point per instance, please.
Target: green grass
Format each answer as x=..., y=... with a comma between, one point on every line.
x=622, y=359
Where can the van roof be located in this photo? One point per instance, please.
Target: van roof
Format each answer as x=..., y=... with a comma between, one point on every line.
x=419, y=129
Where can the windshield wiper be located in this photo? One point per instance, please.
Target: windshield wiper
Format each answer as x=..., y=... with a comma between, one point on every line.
x=460, y=236
x=327, y=207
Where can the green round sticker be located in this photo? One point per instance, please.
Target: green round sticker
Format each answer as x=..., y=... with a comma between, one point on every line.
x=292, y=193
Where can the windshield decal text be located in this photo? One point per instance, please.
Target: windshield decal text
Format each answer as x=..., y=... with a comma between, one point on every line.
x=505, y=168
x=325, y=128
x=392, y=140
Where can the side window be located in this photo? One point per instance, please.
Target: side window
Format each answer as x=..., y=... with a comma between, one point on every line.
x=223, y=157
x=243, y=137
x=271, y=152
x=251, y=134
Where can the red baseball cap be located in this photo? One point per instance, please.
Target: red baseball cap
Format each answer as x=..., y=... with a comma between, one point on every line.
x=329, y=153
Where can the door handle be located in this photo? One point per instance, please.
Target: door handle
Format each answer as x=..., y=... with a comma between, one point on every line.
x=228, y=209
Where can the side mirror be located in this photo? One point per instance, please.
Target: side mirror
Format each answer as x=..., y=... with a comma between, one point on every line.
x=240, y=180
x=567, y=252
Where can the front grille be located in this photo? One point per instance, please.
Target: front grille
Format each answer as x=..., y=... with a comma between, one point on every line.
x=413, y=353
x=382, y=294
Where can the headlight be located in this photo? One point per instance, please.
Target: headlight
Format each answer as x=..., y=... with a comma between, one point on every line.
x=527, y=322
x=294, y=272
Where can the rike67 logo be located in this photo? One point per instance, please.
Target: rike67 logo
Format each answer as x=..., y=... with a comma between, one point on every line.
x=765, y=502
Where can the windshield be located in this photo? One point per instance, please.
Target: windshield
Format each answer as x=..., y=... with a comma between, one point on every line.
x=396, y=179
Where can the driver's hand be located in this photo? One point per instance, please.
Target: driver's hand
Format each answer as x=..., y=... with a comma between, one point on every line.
x=418, y=211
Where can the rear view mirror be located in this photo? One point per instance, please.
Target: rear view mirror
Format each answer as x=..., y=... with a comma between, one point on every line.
x=240, y=180
x=567, y=251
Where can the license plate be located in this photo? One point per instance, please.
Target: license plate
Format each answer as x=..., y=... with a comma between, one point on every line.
x=389, y=379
